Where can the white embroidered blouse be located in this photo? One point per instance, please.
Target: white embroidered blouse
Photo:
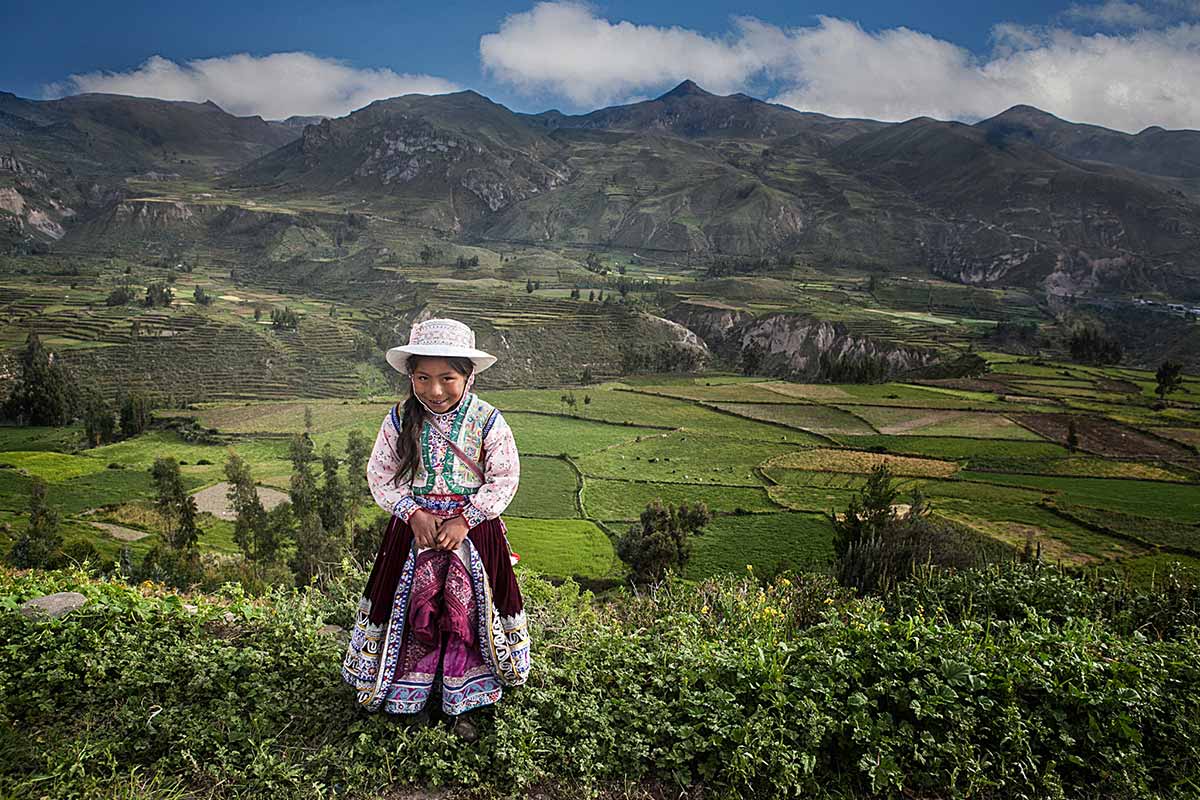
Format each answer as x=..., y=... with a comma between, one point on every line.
x=501, y=466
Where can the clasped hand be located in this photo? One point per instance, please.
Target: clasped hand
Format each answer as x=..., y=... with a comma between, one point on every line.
x=431, y=531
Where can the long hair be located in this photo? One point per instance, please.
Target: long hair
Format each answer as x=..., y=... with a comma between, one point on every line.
x=412, y=417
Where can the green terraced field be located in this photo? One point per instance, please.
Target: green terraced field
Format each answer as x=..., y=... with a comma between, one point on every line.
x=825, y=420
x=561, y=547
x=684, y=457
x=547, y=489
x=764, y=541
x=615, y=500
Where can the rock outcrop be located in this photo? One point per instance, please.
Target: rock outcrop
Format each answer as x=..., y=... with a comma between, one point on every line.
x=799, y=347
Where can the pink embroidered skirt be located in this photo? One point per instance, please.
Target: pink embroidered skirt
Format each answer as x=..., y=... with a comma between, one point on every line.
x=438, y=620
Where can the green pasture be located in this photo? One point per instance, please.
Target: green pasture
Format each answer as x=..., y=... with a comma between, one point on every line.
x=740, y=392
x=1160, y=500
x=547, y=489
x=825, y=420
x=635, y=408
x=617, y=500
x=561, y=547
x=684, y=457
x=767, y=542
x=973, y=451
x=553, y=434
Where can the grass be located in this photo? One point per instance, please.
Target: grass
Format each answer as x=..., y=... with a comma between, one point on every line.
x=859, y=461
x=981, y=451
x=561, y=547
x=547, y=489
x=684, y=457
x=819, y=419
x=632, y=408
x=49, y=466
x=1153, y=499
x=552, y=435
x=623, y=501
x=765, y=541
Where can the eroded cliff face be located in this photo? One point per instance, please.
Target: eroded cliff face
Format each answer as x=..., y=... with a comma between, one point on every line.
x=799, y=347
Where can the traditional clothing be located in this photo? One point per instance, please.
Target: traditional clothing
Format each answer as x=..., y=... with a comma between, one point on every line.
x=428, y=614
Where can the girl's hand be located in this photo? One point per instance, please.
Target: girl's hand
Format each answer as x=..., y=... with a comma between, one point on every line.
x=425, y=527
x=452, y=532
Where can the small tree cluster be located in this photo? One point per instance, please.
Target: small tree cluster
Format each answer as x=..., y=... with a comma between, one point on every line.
x=1089, y=344
x=1168, y=379
x=159, y=295
x=876, y=547
x=45, y=392
x=202, y=297
x=284, y=319
x=661, y=540
x=40, y=544
x=121, y=296
x=464, y=262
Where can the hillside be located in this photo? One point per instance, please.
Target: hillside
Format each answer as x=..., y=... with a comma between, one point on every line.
x=727, y=687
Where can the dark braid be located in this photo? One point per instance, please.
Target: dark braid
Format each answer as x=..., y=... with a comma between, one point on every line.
x=412, y=417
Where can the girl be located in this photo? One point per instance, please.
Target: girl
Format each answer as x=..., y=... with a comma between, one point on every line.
x=441, y=608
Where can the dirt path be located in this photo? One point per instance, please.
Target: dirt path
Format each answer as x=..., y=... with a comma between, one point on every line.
x=213, y=500
x=121, y=532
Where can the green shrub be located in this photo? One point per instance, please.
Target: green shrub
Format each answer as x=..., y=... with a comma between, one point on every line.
x=791, y=689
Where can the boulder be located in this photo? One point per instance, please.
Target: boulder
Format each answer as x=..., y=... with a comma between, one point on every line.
x=52, y=605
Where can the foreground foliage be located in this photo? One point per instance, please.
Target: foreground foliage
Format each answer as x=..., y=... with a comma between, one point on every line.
x=1040, y=686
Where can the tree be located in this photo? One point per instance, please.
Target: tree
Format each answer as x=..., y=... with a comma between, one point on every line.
x=257, y=535
x=358, y=450
x=45, y=392
x=1169, y=378
x=569, y=401
x=868, y=513
x=135, y=415
x=315, y=546
x=41, y=543
x=99, y=421
x=159, y=294
x=1072, y=436
x=308, y=419
x=529, y=285
x=331, y=504
x=175, y=505
x=592, y=296
x=284, y=319
x=202, y=297
x=662, y=539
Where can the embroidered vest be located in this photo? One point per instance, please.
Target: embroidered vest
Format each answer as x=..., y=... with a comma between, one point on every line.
x=471, y=424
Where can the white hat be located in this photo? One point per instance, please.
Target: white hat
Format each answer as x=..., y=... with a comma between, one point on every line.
x=446, y=338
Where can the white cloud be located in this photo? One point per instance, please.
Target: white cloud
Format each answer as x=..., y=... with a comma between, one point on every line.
x=1113, y=14
x=273, y=86
x=564, y=49
x=1127, y=81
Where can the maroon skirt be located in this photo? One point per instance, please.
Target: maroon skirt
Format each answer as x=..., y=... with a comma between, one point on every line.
x=490, y=541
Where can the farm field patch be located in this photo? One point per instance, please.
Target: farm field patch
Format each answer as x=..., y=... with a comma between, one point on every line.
x=816, y=418
x=768, y=542
x=617, y=500
x=862, y=462
x=684, y=457
x=561, y=547
x=547, y=489
x=553, y=434
x=1154, y=499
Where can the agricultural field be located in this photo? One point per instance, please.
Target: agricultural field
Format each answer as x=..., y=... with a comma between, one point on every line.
x=1111, y=483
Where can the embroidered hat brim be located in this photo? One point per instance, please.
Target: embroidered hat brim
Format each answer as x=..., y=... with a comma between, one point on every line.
x=398, y=356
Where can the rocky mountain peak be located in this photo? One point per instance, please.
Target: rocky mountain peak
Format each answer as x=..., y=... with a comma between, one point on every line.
x=688, y=88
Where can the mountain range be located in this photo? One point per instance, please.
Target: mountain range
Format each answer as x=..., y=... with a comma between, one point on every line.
x=1021, y=199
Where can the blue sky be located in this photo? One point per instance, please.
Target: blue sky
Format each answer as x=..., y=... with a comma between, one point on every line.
x=1114, y=62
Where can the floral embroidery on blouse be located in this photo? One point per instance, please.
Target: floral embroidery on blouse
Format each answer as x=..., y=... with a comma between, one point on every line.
x=487, y=501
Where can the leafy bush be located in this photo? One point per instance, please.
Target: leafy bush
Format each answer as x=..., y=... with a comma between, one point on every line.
x=791, y=689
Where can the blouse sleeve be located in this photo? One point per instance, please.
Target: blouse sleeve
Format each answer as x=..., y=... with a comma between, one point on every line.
x=502, y=473
x=381, y=471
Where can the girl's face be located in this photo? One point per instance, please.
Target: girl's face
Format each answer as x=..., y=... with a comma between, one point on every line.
x=437, y=384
